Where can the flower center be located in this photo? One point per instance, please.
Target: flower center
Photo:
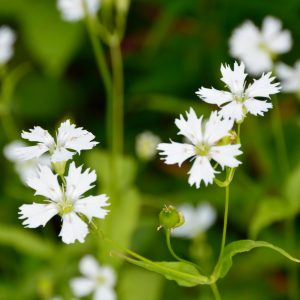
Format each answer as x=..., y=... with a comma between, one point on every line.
x=100, y=280
x=64, y=207
x=202, y=150
x=239, y=98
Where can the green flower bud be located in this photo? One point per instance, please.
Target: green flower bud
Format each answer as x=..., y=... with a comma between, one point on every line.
x=230, y=139
x=170, y=218
x=59, y=167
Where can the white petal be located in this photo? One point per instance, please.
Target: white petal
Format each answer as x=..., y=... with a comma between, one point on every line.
x=89, y=266
x=191, y=127
x=205, y=216
x=277, y=40
x=61, y=154
x=201, y=170
x=73, y=228
x=26, y=153
x=263, y=87
x=232, y=110
x=214, y=96
x=92, y=206
x=216, y=129
x=9, y=150
x=257, y=107
x=175, y=153
x=46, y=184
x=78, y=139
x=234, y=79
x=104, y=293
x=37, y=214
x=109, y=275
x=225, y=155
x=77, y=182
x=290, y=77
x=82, y=286
x=38, y=134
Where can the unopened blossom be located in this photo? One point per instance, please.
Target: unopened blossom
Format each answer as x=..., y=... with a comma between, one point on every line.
x=145, y=146
x=203, y=147
x=68, y=202
x=97, y=279
x=7, y=39
x=69, y=140
x=25, y=168
x=258, y=48
x=74, y=10
x=196, y=219
x=289, y=77
x=241, y=99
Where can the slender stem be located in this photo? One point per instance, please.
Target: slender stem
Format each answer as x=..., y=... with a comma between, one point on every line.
x=215, y=291
x=225, y=221
x=168, y=240
x=118, y=98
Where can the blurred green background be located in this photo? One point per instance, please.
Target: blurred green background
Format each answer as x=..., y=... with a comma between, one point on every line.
x=170, y=49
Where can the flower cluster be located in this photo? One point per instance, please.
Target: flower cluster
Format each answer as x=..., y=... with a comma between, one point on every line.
x=64, y=195
x=214, y=139
x=258, y=49
x=7, y=39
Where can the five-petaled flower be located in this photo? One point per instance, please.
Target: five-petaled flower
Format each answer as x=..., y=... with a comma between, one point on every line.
x=257, y=49
x=7, y=39
x=67, y=202
x=74, y=10
x=68, y=137
x=98, y=279
x=204, y=146
x=240, y=99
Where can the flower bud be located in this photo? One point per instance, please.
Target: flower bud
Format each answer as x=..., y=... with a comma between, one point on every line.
x=170, y=218
x=59, y=167
x=230, y=139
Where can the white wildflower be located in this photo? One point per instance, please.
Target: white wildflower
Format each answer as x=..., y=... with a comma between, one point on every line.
x=145, y=146
x=257, y=49
x=66, y=202
x=290, y=77
x=25, y=169
x=203, y=146
x=68, y=137
x=7, y=39
x=74, y=10
x=196, y=219
x=99, y=280
x=240, y=99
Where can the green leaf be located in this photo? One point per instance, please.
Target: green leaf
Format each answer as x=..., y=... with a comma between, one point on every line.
x=183, y=273
x=269, y=210
x=234, y=248
x=23, y=240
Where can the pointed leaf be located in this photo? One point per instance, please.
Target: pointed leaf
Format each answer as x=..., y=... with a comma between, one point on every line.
x=234, y=248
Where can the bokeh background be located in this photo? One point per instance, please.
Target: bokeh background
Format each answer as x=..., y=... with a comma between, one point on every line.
x=170, y=49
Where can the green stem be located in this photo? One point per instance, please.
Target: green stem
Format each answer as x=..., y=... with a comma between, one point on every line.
x=225, y=221
x=215, y=291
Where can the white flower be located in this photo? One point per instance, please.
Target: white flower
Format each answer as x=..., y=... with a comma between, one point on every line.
x=7, y=38
x=290, y=77
x=97, y=279
x=145, y=146
x=240, y=99
x=68, y=137
x=66, y=202
x=25, y=169
x=196, y=220
x=73, y=10
x=203, y=147
x=257, y=49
